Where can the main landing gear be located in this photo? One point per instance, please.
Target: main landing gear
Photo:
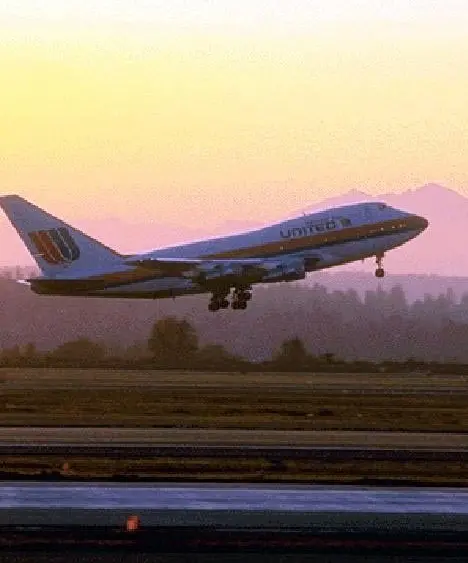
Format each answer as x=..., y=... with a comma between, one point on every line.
x=379, y=272
x=219, y=301
x=240, y=296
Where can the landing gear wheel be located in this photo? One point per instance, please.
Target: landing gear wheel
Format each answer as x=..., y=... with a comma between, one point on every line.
x=380, y=272
x=218, y=300
x=241, y=295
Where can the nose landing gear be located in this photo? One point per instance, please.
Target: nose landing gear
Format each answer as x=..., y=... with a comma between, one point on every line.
x=379, y=272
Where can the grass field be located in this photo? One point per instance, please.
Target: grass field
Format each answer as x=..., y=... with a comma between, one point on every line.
x=33, y=377
x=402, y=402
x=237, y=470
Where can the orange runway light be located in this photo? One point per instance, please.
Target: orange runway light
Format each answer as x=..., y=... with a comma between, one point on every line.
x=132, y=524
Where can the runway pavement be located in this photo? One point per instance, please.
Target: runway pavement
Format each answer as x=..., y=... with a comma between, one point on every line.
x=248, y=497
x=199, y=516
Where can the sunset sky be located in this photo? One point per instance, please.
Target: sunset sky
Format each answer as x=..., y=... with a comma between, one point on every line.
x=198, y=112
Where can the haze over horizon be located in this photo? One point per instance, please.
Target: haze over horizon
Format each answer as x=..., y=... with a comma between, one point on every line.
x=190, y=119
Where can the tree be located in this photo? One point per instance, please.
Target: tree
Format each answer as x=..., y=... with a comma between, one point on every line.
x=397, y=303
x=329, y=357
x=215, y=356
x=11, y=355
x=135, y=351
x=292, y=355
x=30, y=351
x=173, y=342
x=80, y=350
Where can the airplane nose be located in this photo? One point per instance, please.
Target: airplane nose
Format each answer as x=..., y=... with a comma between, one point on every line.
x=420, y=223
x=416, y=223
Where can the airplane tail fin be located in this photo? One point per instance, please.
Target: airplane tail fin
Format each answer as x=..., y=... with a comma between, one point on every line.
x=58, y=249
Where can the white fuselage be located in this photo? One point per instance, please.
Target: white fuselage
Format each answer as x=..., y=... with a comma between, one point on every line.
x=73, y=263
x=322, y=240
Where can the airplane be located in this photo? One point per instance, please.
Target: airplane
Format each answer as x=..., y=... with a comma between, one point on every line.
x=74, y=264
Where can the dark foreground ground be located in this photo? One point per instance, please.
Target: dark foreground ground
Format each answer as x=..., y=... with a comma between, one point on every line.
x=274, y=549
x=98, y=556
x=405, y=405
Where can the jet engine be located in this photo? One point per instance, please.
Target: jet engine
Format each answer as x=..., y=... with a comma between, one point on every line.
x=290, y=271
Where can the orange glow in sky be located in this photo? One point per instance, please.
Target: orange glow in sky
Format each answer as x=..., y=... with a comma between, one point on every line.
x=199, y=112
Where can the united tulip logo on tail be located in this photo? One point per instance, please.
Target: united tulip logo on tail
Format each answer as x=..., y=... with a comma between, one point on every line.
x=55, y=245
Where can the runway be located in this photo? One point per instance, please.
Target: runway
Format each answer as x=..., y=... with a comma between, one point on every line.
x=233, y=506
x=206, y=437
x=193, y=517
x=209, y=497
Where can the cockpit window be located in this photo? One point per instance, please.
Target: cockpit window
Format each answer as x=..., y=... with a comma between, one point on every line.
x=382, y=206
x=345, y=222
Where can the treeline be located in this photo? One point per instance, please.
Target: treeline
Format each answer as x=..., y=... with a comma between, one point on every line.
x=173, y=344
x=379, y=326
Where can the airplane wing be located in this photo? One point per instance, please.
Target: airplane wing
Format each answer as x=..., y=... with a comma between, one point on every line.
x=205, y=272
x=202, y=270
